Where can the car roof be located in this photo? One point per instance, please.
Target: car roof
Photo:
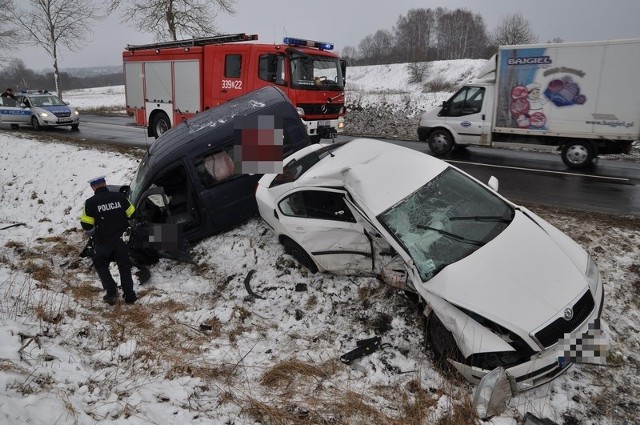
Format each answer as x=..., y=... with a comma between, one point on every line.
x=216, y=125
x=377, y=174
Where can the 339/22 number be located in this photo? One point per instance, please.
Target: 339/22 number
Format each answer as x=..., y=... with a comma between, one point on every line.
x=232, y=84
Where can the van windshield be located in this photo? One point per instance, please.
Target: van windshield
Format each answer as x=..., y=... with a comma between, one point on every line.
x=136, y=188
x=315, y=72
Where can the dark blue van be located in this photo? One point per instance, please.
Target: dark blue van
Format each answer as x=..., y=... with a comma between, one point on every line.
x=188, y=185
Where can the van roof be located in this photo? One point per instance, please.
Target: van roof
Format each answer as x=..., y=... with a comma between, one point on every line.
x=216, y=125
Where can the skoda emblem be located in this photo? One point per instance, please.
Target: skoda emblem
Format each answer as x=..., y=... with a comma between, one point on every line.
x=568, y=314
x=323, y=108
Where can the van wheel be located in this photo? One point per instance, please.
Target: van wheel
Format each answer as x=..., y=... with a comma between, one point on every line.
x=440, y=142
x=578, y=154
x=35, y=124
x=160, y=124
x=296, y=251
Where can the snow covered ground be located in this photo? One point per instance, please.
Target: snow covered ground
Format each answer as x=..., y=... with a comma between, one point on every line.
x=197, y=348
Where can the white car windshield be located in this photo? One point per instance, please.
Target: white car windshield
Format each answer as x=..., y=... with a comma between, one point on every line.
x=446, y=220
x=46, y=101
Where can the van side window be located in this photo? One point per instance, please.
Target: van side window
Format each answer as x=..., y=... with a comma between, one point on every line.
x=271, y=68
x=216, y=166
x=466, y=102
x=232, y=66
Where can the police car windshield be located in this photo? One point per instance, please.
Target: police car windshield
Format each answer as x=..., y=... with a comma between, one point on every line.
x=46, y=101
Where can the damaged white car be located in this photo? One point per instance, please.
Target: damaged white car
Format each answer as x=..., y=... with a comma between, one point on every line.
x=502, y=286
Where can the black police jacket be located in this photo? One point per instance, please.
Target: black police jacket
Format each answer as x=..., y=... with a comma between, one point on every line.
x=108, y=212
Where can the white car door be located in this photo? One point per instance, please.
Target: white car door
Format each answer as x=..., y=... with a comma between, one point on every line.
x=12, y=113
x=319, y=220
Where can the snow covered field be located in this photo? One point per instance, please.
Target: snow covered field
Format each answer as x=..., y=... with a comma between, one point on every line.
x=197, y=348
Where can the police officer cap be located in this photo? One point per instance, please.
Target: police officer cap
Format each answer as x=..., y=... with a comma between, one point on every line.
x=97, y=180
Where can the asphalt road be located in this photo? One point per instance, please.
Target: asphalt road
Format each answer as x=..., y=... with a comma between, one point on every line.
x=611, y=187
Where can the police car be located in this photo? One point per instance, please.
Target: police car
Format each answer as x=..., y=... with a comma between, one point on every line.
x=39, y=109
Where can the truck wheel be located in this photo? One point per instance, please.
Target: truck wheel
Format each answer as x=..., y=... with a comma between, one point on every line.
x=315, y=139
x=35, y=124
x=160, y=124
x=440, y=142
x=578, y=154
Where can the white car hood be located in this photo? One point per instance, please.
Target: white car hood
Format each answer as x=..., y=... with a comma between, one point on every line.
x=520, y=280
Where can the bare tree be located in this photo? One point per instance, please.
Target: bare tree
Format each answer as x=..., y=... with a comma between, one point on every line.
x=377, y=48
x=514, y=29
x=8, y=32
x=52, y=24
x=461, y=34
x=349, y=54
x=415, y=35
x=173, y=19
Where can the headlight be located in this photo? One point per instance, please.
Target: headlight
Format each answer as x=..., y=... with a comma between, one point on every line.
x=76, y=112
x=593, y=275
x=300, y=111
x=43, y=114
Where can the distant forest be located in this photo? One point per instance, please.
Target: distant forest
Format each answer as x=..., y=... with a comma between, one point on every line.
x=17, y=76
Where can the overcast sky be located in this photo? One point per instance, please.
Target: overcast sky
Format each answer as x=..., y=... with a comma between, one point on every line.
x=346, y=22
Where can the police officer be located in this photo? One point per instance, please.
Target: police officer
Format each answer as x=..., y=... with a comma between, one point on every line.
x=106, y=215
x=8, y=93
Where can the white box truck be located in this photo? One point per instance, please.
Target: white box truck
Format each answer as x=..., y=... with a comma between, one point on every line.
x=583, y=98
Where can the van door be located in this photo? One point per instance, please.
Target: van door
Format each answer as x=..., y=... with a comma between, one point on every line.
x=155, y=230
x=228, y=198
x=465, y=114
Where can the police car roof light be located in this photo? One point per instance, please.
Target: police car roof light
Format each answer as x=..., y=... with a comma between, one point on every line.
x=307, y=43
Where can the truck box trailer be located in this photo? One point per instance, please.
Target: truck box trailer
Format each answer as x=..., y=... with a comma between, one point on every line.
x=583, y=98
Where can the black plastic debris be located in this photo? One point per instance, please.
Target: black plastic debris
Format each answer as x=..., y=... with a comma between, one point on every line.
x=531, y=419
x=301, y=287
x=364, y=348
x=247, y=287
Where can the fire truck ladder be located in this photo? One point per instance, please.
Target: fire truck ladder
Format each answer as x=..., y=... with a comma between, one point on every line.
x=195, y=41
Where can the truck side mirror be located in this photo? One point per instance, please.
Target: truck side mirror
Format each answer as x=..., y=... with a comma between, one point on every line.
x=493, y=183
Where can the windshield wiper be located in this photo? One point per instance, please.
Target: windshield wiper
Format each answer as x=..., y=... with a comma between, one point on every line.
x=484, y=218
x=451, y=235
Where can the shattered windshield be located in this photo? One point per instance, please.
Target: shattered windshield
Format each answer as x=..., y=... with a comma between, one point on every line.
x=446, y=220
x=316, y=72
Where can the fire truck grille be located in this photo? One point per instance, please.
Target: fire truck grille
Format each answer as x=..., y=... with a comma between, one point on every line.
x=62, y=114
x=321, y=108
x=556, y=330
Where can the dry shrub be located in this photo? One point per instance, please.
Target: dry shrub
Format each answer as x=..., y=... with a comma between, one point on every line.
x=40, y=272
x=15, y=245
x=353, y=408
x=438, y=84
x=196, y=371
x=284, y=373
x=271, y=415
x=47, y=313
x=463, y=413
x=84, y=290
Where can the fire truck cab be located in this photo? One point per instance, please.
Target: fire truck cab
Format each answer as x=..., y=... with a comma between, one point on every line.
x=166, y=83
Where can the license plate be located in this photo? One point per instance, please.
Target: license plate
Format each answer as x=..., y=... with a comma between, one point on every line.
x=324, y=123
x=63, y=121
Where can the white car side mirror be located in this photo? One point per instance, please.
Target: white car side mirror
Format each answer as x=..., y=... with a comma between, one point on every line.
x=493, y=183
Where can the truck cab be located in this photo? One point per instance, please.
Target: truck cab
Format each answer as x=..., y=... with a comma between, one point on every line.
x=464, y=119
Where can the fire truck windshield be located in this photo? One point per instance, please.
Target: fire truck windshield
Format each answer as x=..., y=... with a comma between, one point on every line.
x=315, y=72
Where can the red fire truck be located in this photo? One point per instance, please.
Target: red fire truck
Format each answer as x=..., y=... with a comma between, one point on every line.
x=168, y=82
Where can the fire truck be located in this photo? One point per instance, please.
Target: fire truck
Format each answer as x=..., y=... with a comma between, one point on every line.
x=168, y=82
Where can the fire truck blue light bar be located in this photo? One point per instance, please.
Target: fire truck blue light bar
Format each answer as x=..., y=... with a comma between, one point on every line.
x=308, y=43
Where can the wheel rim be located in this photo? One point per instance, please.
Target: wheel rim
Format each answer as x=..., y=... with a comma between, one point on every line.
x=577, y=154
x=34, y=123
x=440, y=143
x=161, y=126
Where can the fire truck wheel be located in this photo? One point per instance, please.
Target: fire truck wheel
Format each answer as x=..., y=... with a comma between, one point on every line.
x=315, y=139
x=160, y=124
